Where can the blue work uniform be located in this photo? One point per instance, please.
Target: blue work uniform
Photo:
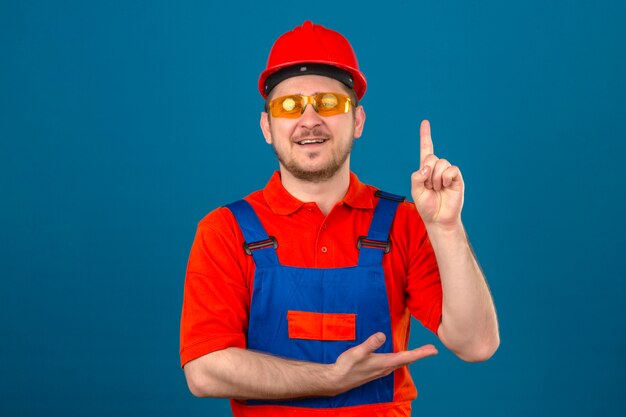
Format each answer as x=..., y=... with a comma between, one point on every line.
x=316, y=314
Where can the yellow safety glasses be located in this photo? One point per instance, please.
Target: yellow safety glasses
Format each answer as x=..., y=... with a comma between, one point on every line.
x=325, y=104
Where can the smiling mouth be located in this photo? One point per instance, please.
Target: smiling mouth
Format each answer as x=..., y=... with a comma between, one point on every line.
x=310, y=141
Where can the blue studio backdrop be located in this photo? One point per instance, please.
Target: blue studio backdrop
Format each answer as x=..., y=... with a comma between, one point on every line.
x=122, y=123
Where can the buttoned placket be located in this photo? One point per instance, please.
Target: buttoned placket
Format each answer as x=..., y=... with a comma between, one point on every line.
x=321, y=236
x=323, y=246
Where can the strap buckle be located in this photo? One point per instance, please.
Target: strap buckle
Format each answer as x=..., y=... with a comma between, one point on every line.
x=364, y=242
x=261, y=244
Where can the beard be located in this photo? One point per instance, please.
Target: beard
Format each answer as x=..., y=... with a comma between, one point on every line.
x=319, y=174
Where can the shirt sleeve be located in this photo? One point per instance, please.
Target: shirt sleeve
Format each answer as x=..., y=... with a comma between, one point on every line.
x=216, y=296
x=423, y=286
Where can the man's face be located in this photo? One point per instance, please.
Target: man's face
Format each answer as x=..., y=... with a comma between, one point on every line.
x=313, y=162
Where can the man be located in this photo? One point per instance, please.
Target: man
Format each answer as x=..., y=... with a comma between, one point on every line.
x=298, y=298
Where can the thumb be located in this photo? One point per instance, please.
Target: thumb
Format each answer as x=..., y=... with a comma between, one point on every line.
x=418, y=181
x=372, y=343
x=362, y=351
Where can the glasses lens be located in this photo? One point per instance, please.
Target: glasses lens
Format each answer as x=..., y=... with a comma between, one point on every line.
x=330, y=104
x=287, y=106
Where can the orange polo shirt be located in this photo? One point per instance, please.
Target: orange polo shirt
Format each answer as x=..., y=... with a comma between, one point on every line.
x=220, y=276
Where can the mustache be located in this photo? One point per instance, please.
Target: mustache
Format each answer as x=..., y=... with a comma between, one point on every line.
x=315, y=132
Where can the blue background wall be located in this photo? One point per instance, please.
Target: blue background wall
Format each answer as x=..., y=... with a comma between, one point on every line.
x=122, y=123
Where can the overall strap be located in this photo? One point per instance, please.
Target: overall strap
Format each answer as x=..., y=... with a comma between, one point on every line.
x=257, y=243
x=377, y=243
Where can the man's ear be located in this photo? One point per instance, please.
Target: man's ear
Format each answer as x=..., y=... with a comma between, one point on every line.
x=359, y=121
x=265, y=127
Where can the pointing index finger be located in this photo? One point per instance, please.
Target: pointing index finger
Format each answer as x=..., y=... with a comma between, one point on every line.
x=426, y=142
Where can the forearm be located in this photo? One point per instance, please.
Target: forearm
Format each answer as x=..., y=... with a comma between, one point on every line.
x=469, y=325
x=242, y=374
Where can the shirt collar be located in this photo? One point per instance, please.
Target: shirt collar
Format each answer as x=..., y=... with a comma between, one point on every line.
x=359, y=196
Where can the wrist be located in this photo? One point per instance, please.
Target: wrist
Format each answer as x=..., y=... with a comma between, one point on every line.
x=448, y=239
x=445, y=231
x=332, y=380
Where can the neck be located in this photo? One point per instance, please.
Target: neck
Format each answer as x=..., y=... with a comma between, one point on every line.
x=325, y=194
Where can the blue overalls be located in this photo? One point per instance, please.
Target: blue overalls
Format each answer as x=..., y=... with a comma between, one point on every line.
x=316, y=314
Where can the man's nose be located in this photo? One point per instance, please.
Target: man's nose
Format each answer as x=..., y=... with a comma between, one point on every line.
x=310, y=117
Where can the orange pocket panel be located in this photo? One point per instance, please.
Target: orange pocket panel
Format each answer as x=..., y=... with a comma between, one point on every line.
x=321, y=326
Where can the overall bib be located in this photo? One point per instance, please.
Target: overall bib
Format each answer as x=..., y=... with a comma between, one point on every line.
x=315, y=314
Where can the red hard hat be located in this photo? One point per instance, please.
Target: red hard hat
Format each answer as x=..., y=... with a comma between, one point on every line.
x=313, y=44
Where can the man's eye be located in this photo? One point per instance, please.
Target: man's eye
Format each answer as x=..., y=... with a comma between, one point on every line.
x=289, y=104
x=329, y=100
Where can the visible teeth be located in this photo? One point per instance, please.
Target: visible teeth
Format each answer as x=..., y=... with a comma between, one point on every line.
x=307, y=141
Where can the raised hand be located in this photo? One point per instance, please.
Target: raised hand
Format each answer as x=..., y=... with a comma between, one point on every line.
x=437, y=187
